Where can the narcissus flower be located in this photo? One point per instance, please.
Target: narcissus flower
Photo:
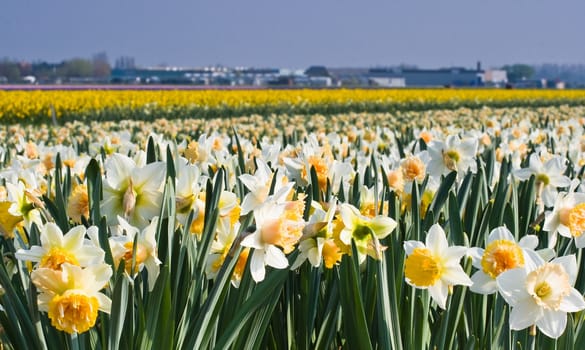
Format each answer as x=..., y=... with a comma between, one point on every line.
x=452, y=155
x=71, y=296
x=434, y=265
x=567, y=217
x=57, y=249
x=502, y=253
x=278, y=226
x=549, y=176
x=132, y=192
x=146, y=249
x=364, y=231
x=317, y=243
x=542, y=296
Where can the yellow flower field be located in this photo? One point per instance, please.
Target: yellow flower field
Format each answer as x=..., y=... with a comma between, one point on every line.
x=120, y=104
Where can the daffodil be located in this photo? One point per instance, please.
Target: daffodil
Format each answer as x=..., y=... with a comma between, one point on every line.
x=452, y=155
x=434, y=265
x=220, y=248
x=567, y=217
x=25, y=204
x=187, y=189
x=71, y=296
x=549, y=176
x=364, y=231
x=57, y=249
x=502, y=253
x=259, y=185
x=278, y=226
x=146, y=249
x=317, y=243
x=542, y=295
x=132, y=192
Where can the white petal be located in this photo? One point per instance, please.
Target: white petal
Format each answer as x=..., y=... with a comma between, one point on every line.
x=253, y=241
x=439, y=292
x=74, y=239
x=410, y=246
x=529, y=242
x=456, y=276
x=35, y=253
x=257, y=265
x=569, y=263
x=476, y=254
x=500, y=233
x=51, y=236
x=436, y=240
x=531, y=259
x=275, y=257
x=483, y=283
x=105, y=303
x=511, y=285
x=552, y=323
x=573, y=302
x=524, y=314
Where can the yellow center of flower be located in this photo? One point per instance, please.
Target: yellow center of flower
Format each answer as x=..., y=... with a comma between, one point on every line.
x=78, y=204
x=129, y=199
x=542, y=179
x=331, y=253
x=56, y=257
x=501, y=255
x=548, y=285
x=422, y=268
x=543, y=290
x=141, y=256
x=241, y=264
x=413, y=169
x=451, y=158
x=321, y=169
x=184, y=203
x=73, y=313
x=577, y=220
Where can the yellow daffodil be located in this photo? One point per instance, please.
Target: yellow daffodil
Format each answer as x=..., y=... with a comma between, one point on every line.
x=71, y=296
x=435, y=265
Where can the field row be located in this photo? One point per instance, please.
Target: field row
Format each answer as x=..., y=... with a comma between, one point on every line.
x=39, y=106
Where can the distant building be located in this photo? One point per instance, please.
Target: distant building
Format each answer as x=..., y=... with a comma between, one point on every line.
x=318, y=76
x=495, y=77
x=350, y=76
x=428, y=77
x=390, y=82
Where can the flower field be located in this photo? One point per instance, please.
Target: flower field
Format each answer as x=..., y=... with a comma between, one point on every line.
x=41, y=105
x=295, y=220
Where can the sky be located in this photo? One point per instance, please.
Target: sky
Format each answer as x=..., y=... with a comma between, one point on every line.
x=297, y=33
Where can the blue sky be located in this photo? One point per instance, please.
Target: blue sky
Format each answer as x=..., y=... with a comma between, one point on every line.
x=298, y=33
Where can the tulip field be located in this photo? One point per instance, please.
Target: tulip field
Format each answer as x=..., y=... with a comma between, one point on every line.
x=292, y=219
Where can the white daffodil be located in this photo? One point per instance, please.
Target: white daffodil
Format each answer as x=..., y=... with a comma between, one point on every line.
x=567, y=217
x=452, y=155
x=146, y=250
x=542, y=296
x=549, y=176
x=71, y=296
x=434, y=265
x=132, y=192
x=364, y=231
x=57, y=249
x=278, y=225
x=502, y=253
x=187, y=189
x=259, y=186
